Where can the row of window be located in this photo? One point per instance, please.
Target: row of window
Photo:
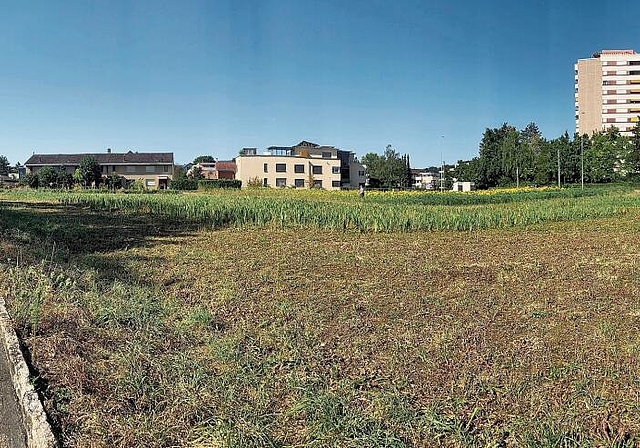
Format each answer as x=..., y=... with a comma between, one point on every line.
x=620, y=92
x=620, y=82
x=299, y=168
x=132, y=168
x=299, y=183
x=609, y=63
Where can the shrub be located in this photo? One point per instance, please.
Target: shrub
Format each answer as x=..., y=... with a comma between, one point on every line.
x=254, y=182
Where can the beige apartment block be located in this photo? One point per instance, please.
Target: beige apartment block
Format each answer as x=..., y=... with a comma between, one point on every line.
x=154, y=170
x=607, y=91
x=304, y=165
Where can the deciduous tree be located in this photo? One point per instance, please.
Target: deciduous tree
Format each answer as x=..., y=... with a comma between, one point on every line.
x=4, y=165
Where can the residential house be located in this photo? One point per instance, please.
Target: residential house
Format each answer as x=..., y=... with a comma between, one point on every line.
x=424, y=179
x=155, y=170
x=304, y=165
x=220, y=169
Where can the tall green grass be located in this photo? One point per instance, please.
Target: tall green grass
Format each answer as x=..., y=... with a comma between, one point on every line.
x=324, y=213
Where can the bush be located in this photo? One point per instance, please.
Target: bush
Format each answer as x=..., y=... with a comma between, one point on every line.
x=255, y=182
x=213, y=184
x=137, y=185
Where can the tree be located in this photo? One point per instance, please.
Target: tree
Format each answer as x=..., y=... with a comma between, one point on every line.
x=634, y=151
x=205, y=159
x=509, y=149
x=195, y=172
x=4, y=166
x=407, y=180
x=489, y=165
x=602, y=156
x=114, y=181
x=389, y=170
x=373, y=162
x=90, y=171
x=531, y=143
x=63, y=178
x=32, y=180
x=47, y=177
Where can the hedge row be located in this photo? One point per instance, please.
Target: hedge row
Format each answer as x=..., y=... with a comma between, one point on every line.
x=209, y=184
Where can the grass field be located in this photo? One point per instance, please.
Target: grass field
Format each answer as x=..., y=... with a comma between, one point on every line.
x=151, y=328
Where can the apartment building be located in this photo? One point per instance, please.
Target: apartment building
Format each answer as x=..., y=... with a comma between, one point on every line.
x=304, y=165
x=155, y=170
x=424, y=179
x=607, y=91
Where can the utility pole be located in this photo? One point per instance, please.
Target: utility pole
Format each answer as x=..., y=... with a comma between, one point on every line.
x=558, y=166
x=442, y=167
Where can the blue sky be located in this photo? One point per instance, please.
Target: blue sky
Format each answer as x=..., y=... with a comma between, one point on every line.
x=211, y=77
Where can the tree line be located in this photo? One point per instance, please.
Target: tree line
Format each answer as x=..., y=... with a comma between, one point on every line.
x=508, y=156
x=88, y=174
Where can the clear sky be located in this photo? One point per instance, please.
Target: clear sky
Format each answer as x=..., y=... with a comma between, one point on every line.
x=211, y=77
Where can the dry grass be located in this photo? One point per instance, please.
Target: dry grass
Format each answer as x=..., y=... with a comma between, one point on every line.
x=308, y=338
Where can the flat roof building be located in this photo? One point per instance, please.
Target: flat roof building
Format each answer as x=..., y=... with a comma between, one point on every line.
x=305, y=165
x=607, y=91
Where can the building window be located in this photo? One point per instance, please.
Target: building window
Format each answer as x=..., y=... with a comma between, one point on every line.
x=605, y=83
x=634, y=62
x=149, y=169
x=113, y=168
x=317, y=184
x=165, y=169
x=281, y=167
x=104, y=169
x=361, y=173
x=281, y=182
x=335, y=183
x=265, y=182
x=131, y=169
x=316, y=169
x=150, y=183
x=265, y=168
x=299, y=183
x=335, y=170
x=326, y=154
x=298, y=169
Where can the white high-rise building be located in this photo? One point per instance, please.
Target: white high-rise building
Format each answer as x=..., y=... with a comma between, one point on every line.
x=607, y=91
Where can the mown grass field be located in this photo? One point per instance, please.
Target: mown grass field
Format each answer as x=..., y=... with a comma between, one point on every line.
x=150, y=328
